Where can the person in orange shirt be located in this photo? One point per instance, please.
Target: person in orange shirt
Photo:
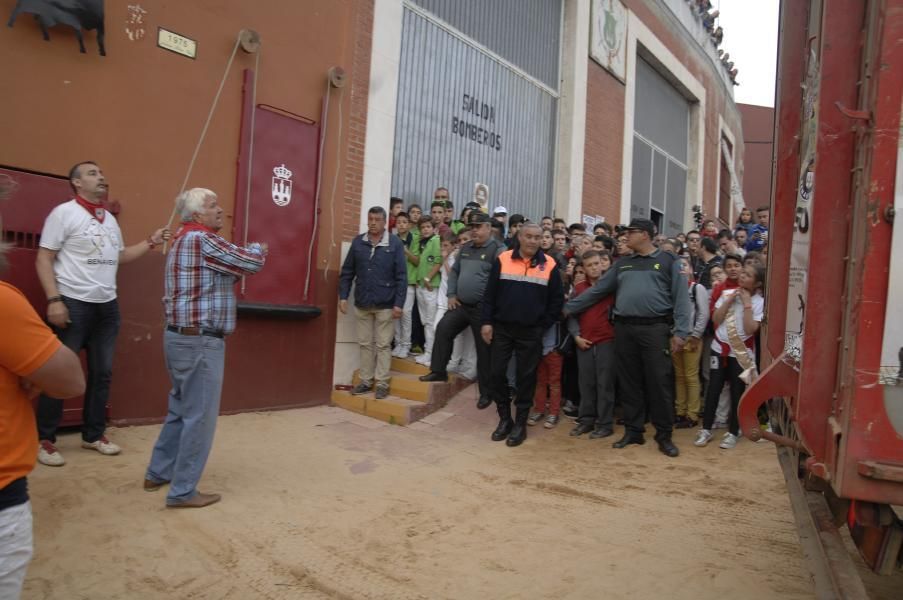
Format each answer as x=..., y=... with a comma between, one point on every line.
x=32, y=359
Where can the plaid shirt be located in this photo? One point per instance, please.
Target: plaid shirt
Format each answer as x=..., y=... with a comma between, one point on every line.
x=201, y=271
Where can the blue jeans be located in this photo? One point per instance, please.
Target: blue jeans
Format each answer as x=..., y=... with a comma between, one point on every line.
x=94, y=327
x=195, y=365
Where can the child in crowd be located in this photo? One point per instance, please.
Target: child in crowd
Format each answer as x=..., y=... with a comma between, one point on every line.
x=428, y=280
x=758, y=234
x=718, y=275
x=686, y=361
x=737, y=316
x=594, y=336
x=732, y=266
x=463, y=358
x=403, y=325
x=745, y=220
x=396, y=205
x=547, y=399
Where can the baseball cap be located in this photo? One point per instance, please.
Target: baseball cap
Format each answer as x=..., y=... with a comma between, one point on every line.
x=478, y=217
x=499, y=210
x=473, y=205
x=642, y=225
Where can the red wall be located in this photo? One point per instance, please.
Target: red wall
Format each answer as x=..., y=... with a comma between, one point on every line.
x=758, y=129
x=138, y=112
x=604, y=147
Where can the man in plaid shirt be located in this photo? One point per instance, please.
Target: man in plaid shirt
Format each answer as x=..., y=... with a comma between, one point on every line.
x=201, y=271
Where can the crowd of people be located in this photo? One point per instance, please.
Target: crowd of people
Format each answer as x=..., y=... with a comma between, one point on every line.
x=560, y=320
x=704, y=11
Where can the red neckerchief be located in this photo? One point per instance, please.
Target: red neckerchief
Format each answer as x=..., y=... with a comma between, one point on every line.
x=193, y=226
x=95, y=210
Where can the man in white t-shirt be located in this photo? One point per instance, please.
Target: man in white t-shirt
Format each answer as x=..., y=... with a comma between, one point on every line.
x=80, y=252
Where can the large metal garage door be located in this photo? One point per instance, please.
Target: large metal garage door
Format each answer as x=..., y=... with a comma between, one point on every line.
x=660, y=143
x=477, y=102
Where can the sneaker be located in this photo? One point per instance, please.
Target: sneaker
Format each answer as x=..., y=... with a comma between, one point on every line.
x=729, y=441
x=399, y=352
x=416, y=350
x=535, y=417
x=49, y=455
x=361, y=388
x=382, y=390
x=423, y=359
x=703, y=438
x=551, y=422
x=103, y=445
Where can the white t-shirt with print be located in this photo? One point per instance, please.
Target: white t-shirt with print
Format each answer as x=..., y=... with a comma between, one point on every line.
x=758, y=311
x=87, y=252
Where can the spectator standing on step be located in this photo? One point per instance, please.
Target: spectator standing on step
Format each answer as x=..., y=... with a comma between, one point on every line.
x=376, y=265
x=524, y=295
x=429, y=256
x=81, y=250
x=651, y=299
x=466, y=285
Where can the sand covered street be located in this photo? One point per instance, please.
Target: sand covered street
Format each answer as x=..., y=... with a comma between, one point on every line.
x=324, y=503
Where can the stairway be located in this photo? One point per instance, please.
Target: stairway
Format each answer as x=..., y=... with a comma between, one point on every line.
x=409, y=398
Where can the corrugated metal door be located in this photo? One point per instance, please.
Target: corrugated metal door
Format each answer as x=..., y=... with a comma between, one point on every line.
x=660, y=146
x=467, y=114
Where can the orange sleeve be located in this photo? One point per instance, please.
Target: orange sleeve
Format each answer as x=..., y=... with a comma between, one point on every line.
x=26, y=341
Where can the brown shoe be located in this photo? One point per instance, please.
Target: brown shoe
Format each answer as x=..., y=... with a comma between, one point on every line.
x=152, y=486
x=198, y=501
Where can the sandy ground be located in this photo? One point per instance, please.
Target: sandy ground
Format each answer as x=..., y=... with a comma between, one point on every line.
x=323, y=503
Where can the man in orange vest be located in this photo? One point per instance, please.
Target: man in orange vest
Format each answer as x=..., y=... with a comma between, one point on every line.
x=523, y=297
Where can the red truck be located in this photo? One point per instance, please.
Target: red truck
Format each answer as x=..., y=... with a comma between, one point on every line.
x=832, y=344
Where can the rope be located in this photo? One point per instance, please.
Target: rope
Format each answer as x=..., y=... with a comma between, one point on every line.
x=313, y=235
x=244, y=279
x=197, y=148
x=335, y=182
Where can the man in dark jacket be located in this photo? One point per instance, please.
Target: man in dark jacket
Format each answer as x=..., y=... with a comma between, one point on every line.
x=523, y=297
x=376, y=264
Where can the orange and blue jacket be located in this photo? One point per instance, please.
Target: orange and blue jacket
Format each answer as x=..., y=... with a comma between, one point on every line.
x=522, y=291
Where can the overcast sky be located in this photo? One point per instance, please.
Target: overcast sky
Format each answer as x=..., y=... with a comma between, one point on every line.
x=751, y=38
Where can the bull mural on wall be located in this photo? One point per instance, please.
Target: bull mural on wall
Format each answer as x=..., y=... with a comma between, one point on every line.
x=77, y=14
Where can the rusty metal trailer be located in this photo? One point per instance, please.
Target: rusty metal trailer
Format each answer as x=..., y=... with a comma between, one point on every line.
x=833, y=337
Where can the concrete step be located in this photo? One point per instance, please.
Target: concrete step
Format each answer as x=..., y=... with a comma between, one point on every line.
x=408, y=385
x=407, y=365
x=392, y=409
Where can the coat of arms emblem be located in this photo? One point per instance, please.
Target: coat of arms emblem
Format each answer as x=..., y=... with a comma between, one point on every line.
x=282, y=186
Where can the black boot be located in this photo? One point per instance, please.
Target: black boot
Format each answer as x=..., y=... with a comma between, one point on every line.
x=519, y=431
x=505, y=423
x=667, y=447
x=484, y=402
x=629, y=438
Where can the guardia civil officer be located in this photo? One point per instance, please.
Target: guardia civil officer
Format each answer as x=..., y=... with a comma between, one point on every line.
x=652, y=319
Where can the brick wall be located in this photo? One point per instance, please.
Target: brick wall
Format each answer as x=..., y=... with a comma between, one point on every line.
x=603, y=150
x=605, y=117
x=355, y=138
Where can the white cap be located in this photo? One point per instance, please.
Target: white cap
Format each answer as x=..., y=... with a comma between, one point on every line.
x=499, y=210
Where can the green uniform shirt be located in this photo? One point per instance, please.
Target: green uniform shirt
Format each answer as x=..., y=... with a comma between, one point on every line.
x=413, y=247
x=430, y=256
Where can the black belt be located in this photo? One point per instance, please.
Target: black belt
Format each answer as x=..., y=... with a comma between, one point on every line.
x=667, y=320
x=195, y=331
